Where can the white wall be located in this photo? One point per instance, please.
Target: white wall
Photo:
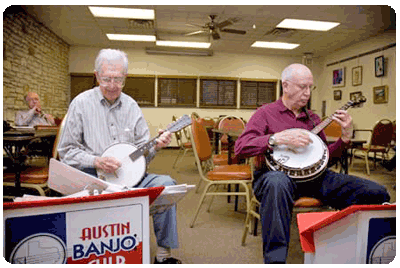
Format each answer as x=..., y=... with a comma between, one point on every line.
x=366, y=116
x=265, y=67
x=224, y=64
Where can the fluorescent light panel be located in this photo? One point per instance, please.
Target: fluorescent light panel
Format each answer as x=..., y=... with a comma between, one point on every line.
x=183, y=44
x=132, y=37
x=277, y=45
x=312, y=25
x=124, y=13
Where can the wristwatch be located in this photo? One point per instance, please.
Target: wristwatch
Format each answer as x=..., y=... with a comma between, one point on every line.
x=272, y=141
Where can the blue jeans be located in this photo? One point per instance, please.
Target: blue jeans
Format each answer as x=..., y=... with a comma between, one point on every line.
x=165, y=227
x=277, y=193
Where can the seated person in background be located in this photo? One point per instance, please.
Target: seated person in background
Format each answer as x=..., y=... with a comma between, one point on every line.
x=95, y=120
x=270, y=126
x=34, y=116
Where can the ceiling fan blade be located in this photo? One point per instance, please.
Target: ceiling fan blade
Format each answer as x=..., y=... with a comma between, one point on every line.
x=234, y=31
x=227, y=22
x=194, y=25
x=196, y=32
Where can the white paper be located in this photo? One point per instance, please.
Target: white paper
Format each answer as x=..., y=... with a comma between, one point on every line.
x=74, y=183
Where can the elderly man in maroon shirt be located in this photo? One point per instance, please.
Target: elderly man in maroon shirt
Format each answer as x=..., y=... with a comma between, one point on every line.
x=280, y=123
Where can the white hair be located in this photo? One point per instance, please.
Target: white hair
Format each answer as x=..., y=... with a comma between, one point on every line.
x=111, y=55
x=293, y=70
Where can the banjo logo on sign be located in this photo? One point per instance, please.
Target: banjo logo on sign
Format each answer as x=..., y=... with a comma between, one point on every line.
x=110, y=243
x=106, y=236
x=124, y=241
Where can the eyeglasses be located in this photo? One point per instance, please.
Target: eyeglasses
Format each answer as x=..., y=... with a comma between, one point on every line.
x=304, y=87
x=117, y=80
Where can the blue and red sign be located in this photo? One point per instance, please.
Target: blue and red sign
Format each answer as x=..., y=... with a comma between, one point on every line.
x=112, y=235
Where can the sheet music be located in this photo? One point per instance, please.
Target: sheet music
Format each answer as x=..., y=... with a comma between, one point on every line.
x=72, y=182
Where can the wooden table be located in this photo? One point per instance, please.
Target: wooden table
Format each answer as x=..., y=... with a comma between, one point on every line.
x=15, y=140
x=232, y=136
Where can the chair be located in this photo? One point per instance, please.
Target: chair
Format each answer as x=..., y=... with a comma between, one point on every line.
x=195, y=115
x=229, y=122
x=308, y=203
x=380, y=140
x=303, y=203
x=35, y=177
x=183, y=146
x=208, y=123
x=333, y=130
x=215, y=176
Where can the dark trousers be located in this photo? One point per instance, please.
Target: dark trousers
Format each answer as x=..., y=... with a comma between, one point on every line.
x=277, y=193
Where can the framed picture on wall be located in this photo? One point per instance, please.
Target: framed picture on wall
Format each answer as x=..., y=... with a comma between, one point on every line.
x=357, y=76
x=337, y=94
x=379, y=66
x=338, y=77
x=381, y=94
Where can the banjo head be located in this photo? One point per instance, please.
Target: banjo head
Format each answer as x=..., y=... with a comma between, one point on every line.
x=130, y=172
x=301, y=164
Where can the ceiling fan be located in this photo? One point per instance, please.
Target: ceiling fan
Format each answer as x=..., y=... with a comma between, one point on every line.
x=214, y=28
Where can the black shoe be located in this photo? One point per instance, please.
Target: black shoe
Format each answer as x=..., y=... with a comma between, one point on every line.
x=387, y=164
x=168, y=261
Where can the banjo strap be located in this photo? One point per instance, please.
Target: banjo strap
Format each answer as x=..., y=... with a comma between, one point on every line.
x=309, y=117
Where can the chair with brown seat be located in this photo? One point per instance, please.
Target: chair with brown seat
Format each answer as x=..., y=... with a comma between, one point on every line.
x=333, y=130
x=208, y=123
x=304, y=203
x=253, y=216
x=380, y=140
x=228, y=123
x=215, y=176
x=35, y=177
x=184, y=146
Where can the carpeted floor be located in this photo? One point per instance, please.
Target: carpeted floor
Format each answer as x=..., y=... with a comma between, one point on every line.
x=216, y=235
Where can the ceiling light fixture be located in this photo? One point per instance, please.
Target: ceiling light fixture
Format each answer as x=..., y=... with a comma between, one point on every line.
x=183, y=44
x=277, y=45
x=132, y=37
x=124, y=13
x=312, y=25
x=158, y=51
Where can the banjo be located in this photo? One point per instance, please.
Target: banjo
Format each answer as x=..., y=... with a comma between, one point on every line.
x=133, y=162
x=307, y=163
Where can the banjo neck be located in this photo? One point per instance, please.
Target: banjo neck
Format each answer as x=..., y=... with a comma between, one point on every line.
x=143, y=149
x=182, y=122
x=329, y=119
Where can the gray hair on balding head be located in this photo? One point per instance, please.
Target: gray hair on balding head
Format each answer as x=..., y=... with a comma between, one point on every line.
x=292, y=70
x=109, y=55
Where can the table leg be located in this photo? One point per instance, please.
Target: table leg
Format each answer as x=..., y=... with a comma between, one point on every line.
x=216, y=142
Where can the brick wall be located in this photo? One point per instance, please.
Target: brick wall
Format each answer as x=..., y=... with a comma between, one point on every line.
x=34, y=59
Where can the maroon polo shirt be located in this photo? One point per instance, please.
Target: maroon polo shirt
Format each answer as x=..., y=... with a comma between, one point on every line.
x=272, y=118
